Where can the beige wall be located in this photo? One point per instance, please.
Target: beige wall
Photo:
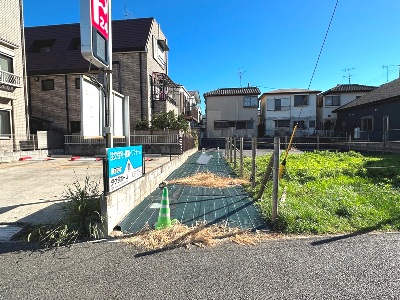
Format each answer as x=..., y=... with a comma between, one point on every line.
x=13, y=99
x=230, y=108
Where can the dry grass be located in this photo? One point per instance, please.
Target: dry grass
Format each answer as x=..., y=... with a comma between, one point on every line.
x=208, y=179
x=180, y=235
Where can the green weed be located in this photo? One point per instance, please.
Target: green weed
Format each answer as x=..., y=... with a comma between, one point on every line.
x=333, y=192
x=82, y=218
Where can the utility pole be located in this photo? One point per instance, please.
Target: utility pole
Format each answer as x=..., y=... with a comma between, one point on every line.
x=348, y=73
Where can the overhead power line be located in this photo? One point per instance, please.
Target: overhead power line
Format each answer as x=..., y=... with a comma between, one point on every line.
x=323, y=44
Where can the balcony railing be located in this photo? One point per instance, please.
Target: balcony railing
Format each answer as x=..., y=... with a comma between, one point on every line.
x=10, y=79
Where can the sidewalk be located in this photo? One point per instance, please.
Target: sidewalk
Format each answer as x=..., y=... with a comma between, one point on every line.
x=231, y=206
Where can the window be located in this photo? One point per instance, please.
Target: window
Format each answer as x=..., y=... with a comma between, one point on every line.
x=75, y=126
x=250, y=124
x=311, y=124
x=77, y=83
x=300, y=124
x=5, y=123
x=221, y=124
x=41, y=46
x=282, y=123
x=160, y=49
x=232, y=123
x=278, y=104
x=250, y=101
x=367, y=124
x=300, y=100
x=6, y=63
x=241, y=124
x=332, y=100
x=48, y=85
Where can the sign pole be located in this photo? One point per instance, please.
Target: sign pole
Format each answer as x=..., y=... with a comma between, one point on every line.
x=108, y=81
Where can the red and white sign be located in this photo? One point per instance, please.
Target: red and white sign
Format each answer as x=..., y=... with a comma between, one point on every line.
x=100, y=16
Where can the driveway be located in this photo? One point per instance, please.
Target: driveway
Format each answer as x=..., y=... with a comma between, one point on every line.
x=34, y=191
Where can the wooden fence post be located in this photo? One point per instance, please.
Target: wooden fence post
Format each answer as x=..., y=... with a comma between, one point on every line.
x=275, y=175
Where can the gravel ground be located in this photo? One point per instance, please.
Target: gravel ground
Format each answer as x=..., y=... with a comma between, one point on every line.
x=348, y=267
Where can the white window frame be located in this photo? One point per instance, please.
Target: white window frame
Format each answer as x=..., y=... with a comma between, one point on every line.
x=304, y=101
x=372, y=123
x=331, y=99
x=250, y=101
x=159, y=54
x=285, y=104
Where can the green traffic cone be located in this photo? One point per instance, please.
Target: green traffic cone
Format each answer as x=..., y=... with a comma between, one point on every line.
x=164, y=218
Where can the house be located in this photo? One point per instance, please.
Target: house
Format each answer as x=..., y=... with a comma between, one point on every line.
x=232, y=112
x=282, y=109
x=373, y=116
x=193, y=111
x=55, y=63
x=335, y=97
x=13, y=96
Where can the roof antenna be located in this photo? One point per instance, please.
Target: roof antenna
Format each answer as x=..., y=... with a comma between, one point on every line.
x=126, y=12
x=348, y=73
x=240, y=73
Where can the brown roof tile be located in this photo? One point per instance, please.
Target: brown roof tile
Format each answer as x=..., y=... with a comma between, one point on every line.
x=234, y=91
x=349, y=88
x=385, y=92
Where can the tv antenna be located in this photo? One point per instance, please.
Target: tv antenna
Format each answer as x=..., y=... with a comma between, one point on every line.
x=387, y=71
x=240, y=73
x=349, y=75
x=127, y=13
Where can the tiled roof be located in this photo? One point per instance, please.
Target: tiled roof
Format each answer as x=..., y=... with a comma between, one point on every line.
x=385, y=92
x=233, y=92
x=128, y=35
x=291, y=91
x=349, y=88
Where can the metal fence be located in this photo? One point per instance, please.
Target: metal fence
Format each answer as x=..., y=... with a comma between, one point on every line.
x=134, y=140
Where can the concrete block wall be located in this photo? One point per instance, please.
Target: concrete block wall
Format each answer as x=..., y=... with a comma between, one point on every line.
x=12, y=156
x=116, y=205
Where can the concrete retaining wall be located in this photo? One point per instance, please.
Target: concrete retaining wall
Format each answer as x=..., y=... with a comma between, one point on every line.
x=388, y=147
x=116, y=205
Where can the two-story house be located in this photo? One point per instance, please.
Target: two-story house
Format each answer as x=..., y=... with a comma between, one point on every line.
x=373, y=116
x=282, y=109
x=55, y=63
x=335, y=97
x=232, y=112
x=13, y=95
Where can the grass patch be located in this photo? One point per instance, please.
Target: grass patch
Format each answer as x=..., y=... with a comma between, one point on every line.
x=333, y=192
x=82, y=219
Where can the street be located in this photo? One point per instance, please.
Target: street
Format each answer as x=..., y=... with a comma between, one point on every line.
x=341, y=267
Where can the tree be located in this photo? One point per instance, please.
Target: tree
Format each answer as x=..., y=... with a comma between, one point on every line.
x=168, y=120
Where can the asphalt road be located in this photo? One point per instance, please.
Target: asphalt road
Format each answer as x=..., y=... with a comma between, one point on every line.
x=345, y=267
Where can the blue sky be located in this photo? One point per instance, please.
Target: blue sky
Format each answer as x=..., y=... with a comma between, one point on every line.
x=273, y=44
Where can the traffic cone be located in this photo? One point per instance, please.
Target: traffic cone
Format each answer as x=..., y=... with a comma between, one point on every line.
x=164, y=218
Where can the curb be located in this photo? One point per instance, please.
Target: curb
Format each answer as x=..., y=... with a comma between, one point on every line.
x=79, y=158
